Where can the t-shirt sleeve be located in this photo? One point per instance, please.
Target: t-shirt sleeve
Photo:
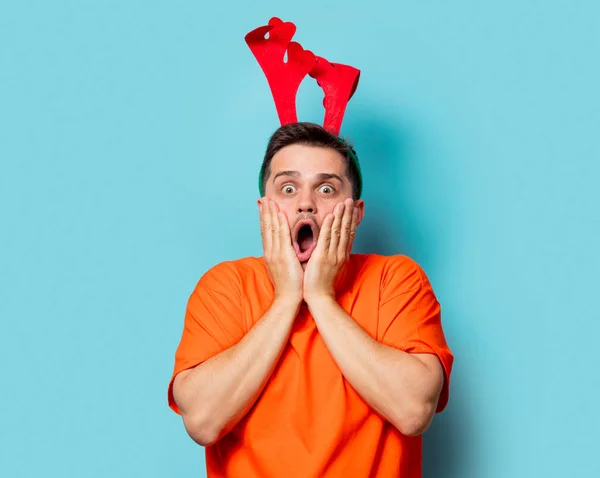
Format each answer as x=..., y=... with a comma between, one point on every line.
x=410, y=316
x=213, y=321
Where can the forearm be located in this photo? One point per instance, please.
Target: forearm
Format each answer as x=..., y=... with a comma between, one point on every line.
x=214, y=396
x=398, y=385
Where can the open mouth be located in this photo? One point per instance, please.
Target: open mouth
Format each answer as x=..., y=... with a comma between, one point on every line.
x=305, y=239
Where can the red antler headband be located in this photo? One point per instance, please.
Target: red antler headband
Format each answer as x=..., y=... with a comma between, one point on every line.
x=338, y=81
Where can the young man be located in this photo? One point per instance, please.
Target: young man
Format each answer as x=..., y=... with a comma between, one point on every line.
x=311, y=361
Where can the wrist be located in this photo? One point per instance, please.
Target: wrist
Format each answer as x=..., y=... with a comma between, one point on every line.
x=319, y=299
x=287, y=302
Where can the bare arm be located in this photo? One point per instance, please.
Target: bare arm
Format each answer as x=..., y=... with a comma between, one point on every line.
x=215, y=395
x=404, y=388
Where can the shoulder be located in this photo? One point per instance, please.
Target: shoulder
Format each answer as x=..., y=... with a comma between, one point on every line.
x=397, y=273
x=403, y=273
x=231, y=273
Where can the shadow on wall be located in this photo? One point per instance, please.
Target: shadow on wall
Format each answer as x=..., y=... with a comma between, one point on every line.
x=446, y=443
x=386, y=148
x=390, y=225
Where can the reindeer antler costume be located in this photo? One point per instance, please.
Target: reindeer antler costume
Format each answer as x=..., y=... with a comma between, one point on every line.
x=338, y=81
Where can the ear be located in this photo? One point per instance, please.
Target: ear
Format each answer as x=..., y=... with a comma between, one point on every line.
x=360, y=204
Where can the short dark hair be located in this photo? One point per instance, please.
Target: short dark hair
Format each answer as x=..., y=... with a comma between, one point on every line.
x=311, y=134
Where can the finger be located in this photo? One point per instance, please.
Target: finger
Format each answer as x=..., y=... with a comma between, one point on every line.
x=346, y=227
x=284, y=230
x=274, y=209
x=265, y=227
x=353, y=229
x=336, y=228
x=324, y=240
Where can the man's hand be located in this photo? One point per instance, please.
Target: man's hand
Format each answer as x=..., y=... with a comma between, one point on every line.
x=329, y=259
x=282, y=263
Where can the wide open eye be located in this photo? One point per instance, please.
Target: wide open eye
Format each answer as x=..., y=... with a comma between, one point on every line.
x=326, y=189
x=288, y=189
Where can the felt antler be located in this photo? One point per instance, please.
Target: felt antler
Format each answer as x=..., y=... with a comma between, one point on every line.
x=284, y=77
x=339, y=83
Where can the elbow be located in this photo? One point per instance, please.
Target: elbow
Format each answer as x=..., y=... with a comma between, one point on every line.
x=412, y=427
x=416, y=422
x=200, y=422
x=203, y=431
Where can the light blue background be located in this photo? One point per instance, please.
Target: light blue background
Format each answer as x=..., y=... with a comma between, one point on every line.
x=131, y=134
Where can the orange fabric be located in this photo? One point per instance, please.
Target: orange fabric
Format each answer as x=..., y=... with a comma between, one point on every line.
x=308, y=421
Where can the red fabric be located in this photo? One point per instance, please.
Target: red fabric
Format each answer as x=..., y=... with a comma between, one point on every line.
x=338, y=81
x=284, y=78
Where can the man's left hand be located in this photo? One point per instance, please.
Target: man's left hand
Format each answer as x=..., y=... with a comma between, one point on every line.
x=329, y=258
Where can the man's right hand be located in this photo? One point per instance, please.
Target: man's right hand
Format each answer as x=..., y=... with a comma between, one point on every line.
x=282, y=263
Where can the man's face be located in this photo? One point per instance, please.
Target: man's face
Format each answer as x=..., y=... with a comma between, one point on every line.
x=307, y=182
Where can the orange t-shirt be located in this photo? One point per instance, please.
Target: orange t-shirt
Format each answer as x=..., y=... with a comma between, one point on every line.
x=308, y=420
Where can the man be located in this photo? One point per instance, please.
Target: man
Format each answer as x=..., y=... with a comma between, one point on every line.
x=311, y=361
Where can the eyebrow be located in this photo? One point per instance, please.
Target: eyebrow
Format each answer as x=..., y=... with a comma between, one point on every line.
x=326, y=176
x=320, y=176
x=294, y=174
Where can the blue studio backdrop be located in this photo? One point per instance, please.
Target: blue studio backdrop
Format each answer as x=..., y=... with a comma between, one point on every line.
x=131, y=134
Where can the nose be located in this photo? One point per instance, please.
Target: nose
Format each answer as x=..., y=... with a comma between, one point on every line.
x=306, y=203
